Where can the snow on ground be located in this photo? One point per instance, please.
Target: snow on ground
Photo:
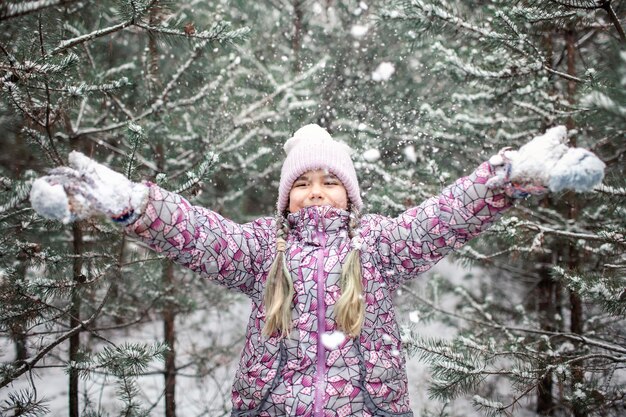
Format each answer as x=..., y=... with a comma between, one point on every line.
x=210, y=396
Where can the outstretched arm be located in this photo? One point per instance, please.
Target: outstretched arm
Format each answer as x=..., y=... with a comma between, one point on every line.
x=193, y=236
x=421, y=236
x=205, y=241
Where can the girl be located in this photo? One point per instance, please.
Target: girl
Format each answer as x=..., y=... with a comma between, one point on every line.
x=322, y=339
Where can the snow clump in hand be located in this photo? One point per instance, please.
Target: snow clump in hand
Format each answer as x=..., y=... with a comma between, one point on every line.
x=546, y=161
x=578, y=170
x=86, y=188
x=113, y=193
x=535, y=160
x=50, y=201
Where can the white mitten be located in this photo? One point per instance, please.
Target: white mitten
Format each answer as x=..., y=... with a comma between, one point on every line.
x=545, y=164
x=87, y=188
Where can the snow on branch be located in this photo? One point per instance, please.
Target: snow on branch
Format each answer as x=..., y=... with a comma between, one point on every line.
x=603, y=289
x=11, y=10
x=219, y=32
x=243, y=115
x=199, y=173
x=417, y=9
x=27, y=68
x=69, y=43
x=516, y=70
x=607, y=189
x=601, y=101
x=83, y=88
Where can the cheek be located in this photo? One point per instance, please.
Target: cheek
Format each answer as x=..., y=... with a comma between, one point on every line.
x=342, y=199
x=295, y=200
x=294, y=195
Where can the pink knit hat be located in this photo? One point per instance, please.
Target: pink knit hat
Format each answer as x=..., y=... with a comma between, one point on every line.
x=311, y=148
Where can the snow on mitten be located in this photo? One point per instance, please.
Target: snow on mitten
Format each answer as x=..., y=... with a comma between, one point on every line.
x=519, y=188
x=87, y=188
x=545, y=164
x=578, y=170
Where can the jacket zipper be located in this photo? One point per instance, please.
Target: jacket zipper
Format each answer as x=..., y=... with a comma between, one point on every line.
x=321, y=325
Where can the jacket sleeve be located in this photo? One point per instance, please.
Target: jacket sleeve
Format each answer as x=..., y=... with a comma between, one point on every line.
x=231, y=254
x=421, y=236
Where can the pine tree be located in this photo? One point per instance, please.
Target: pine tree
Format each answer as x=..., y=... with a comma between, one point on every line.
x=548, y=323
x=169, y=92
x=111, y=81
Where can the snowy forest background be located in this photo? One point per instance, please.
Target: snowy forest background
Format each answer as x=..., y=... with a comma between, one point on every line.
x=199, y=96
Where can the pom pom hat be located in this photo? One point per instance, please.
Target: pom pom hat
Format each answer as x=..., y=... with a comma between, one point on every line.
x=312, y=148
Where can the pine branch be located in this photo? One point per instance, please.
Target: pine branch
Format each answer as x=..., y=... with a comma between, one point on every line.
x=571, y=336
x=217, y=33
x=608, y=238
x=240, y=119
x=83, y=88
x=70, y=43
x=594, y=5
x=11, y=10
x=198, y=174
x=24, y=403
x=606, y=189
x=29, y=364
x=136, y=138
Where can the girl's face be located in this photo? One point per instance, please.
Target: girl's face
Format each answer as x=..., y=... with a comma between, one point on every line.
x=317, y=188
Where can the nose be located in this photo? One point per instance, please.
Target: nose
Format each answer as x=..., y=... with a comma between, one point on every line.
x=316, y=191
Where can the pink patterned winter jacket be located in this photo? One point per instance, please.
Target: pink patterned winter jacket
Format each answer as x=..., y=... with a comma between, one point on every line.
x=300, y=375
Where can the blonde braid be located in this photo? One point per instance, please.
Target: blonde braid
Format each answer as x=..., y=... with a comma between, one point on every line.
x=350, y=309
x=279, y=287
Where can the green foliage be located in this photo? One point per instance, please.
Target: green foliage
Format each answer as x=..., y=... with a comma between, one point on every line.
x=158, y=90
x=128, y=83
x=24, y=403
x=555, y=265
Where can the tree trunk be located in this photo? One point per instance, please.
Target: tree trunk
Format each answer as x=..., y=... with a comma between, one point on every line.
x=296, y=41
x=169, y=331
x=169, y=315
x=153, y=53
x=19, y=338
x=78, y=279
x=570, y=39
x=16, y=329
x=576, y=306
x=546, y=309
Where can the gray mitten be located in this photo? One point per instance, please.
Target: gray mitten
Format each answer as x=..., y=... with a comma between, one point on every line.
x=545, y=164
x=87, y=188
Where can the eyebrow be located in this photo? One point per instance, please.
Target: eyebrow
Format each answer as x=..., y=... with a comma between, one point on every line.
x=326, y=176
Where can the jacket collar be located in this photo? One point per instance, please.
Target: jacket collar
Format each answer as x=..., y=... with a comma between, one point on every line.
x=319, y=225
